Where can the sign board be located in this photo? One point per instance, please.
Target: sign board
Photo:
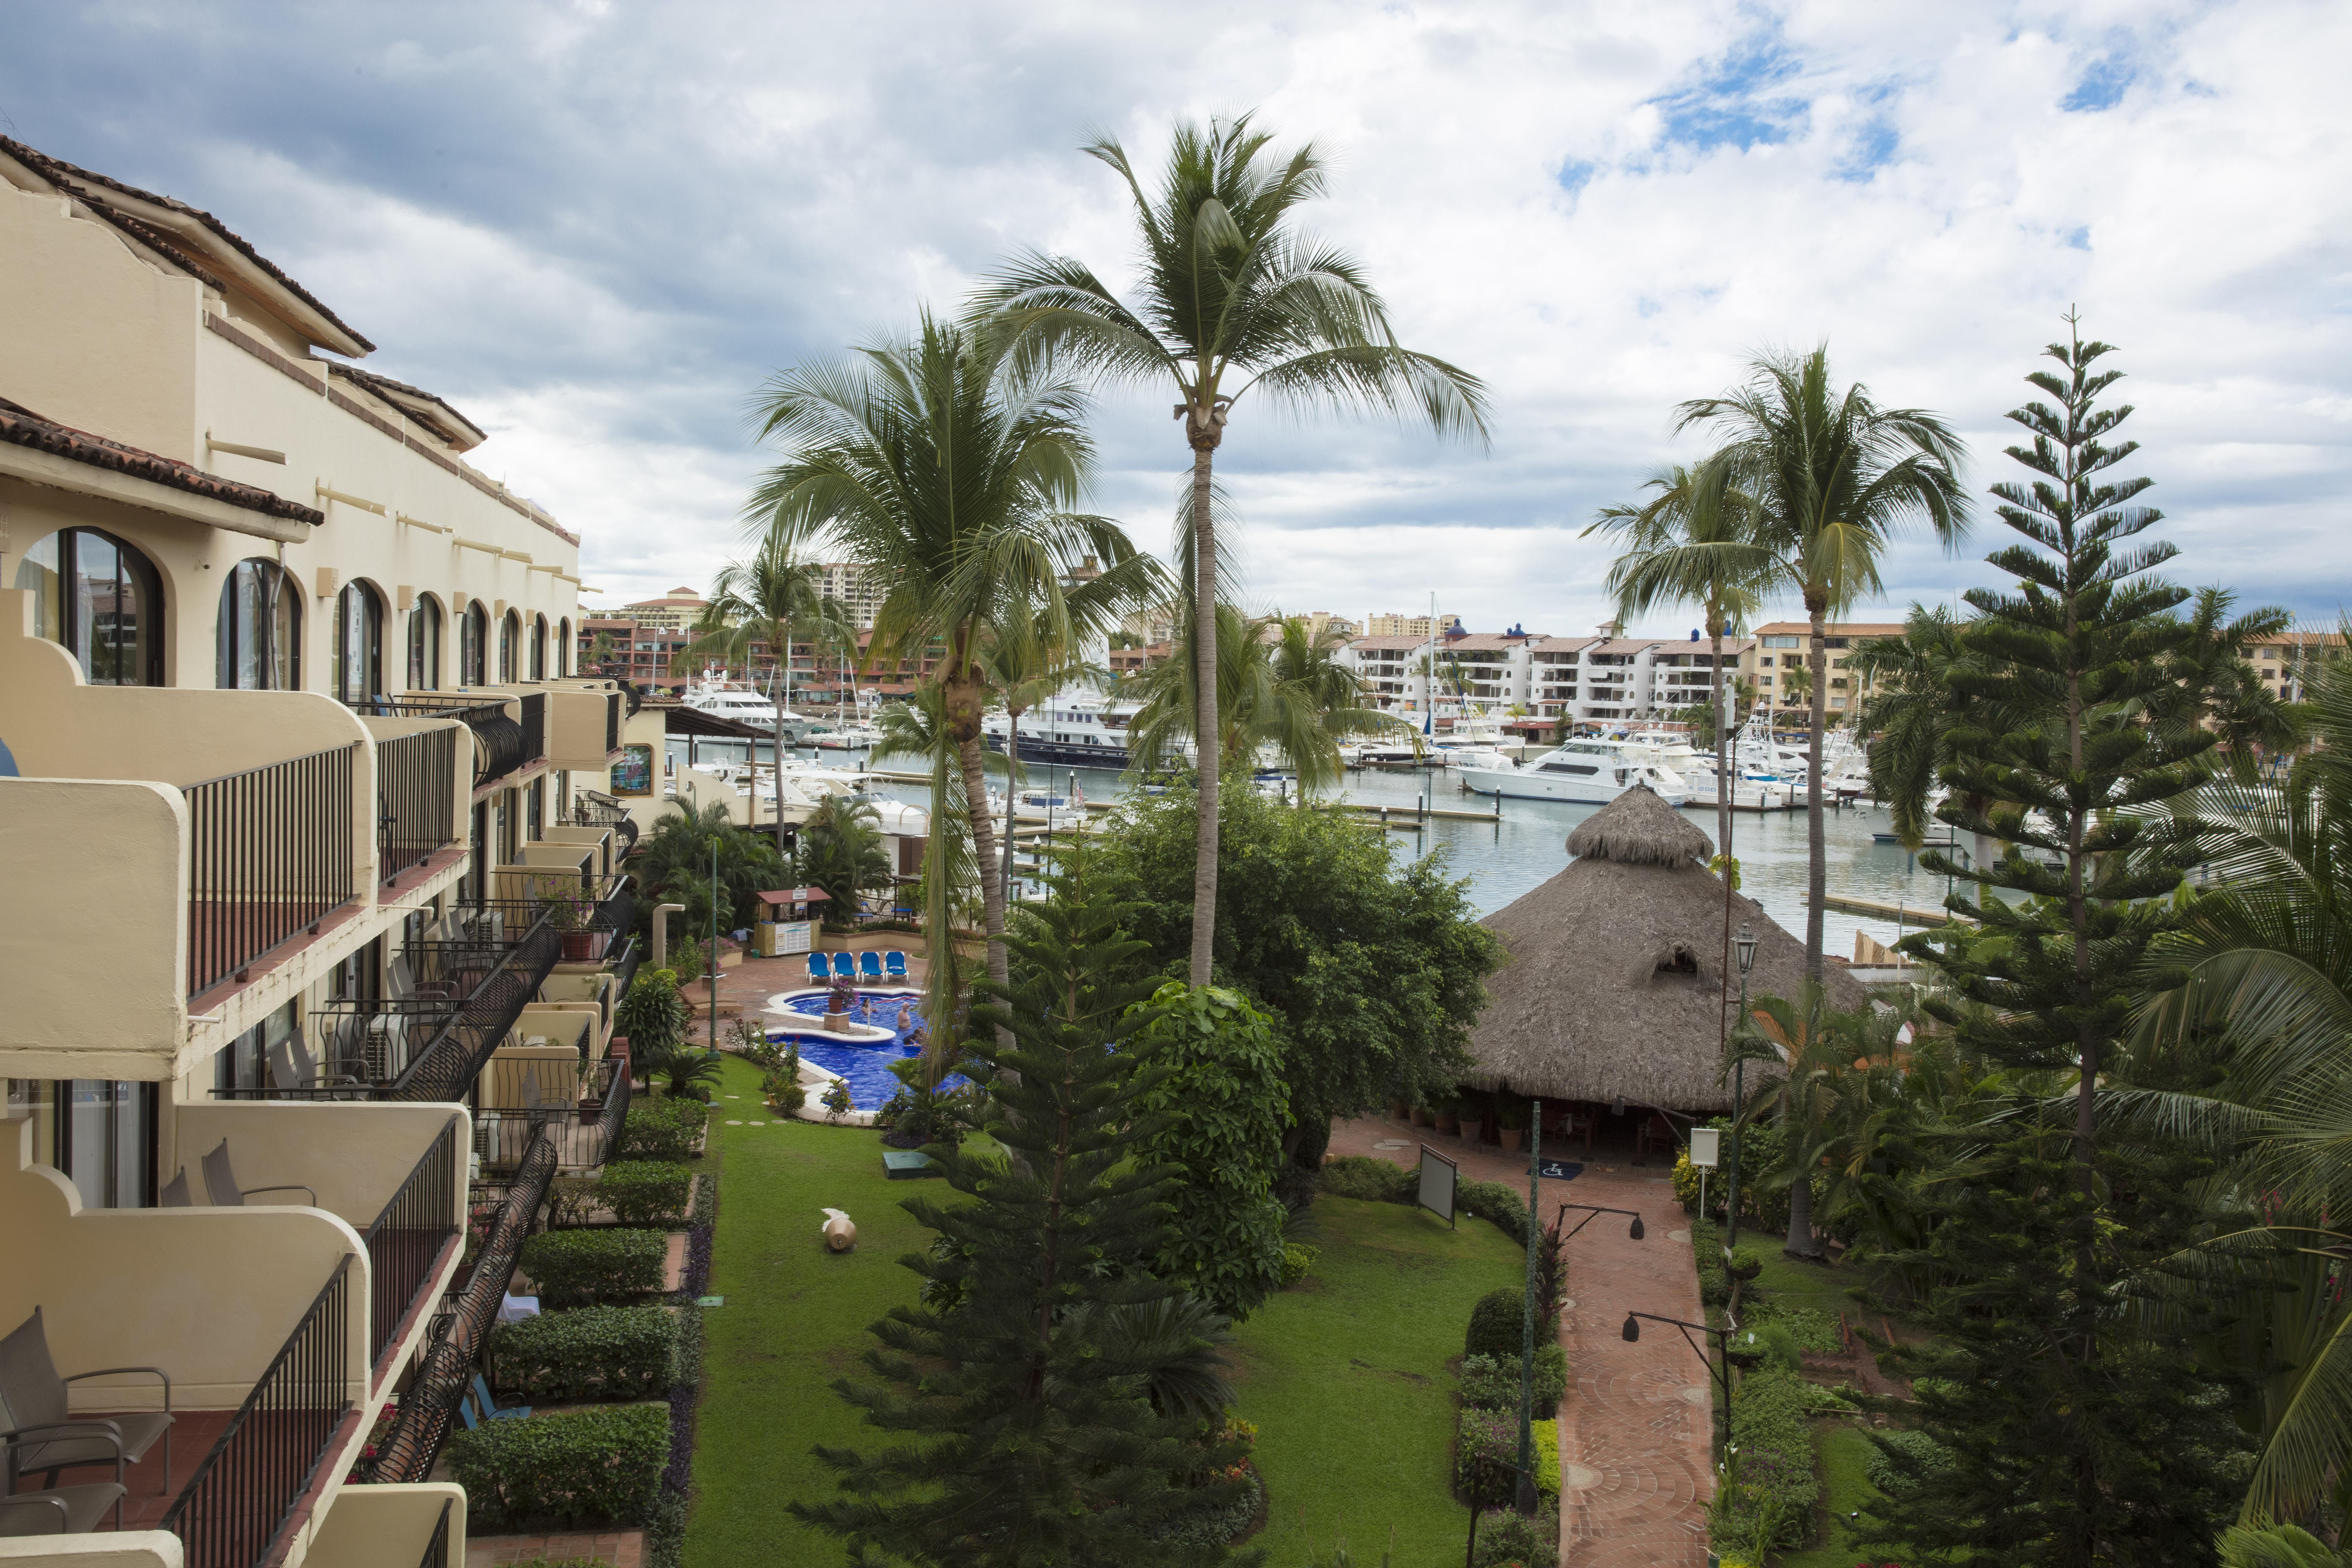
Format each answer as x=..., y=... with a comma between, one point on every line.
x=633, y=770
x=1560, y=1170
x=1706, y=1147
x=1438, y=1176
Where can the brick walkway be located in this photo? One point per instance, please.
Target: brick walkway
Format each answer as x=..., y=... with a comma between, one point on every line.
x=623, y=1548
x=1635, y=1433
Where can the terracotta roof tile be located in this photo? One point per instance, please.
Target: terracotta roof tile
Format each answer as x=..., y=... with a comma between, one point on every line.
x=20, y=426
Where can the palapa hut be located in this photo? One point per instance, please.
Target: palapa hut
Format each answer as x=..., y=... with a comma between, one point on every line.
x=1611, y=991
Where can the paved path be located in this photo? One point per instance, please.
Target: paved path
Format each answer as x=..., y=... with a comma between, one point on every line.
x=1634, y=1435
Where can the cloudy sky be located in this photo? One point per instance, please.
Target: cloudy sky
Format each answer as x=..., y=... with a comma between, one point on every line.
x=597, y=227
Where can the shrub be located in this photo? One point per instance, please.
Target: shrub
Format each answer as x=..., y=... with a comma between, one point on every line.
x=571, y=1468
x=646, y=1192
x=569, y=1201
x=1495, y=1203
x=1485, y=1454
x=1811, y=1328
x=1297, y=1258
x=1778, y=1346
x=662, y=1130
x=575, y=1267
x=1212, y=1527
x=1707, y=1252
x=1546, y=1433
x=1497, y=1324
x=1492, y=1383
x=786, y=1094
x=652, y=1016
x=1508, y=1540
x=1899, y=1459
x=1776, y=1456
x=1369, y=1179
x=591, y=1353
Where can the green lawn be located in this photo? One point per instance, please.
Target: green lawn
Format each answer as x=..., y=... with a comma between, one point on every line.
x=1845, y=1485
x=1345, y=1377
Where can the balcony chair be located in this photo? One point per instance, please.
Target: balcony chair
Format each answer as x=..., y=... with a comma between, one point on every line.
x=293, y=1068
x=175, y=1194
x=220, y=1181
x=475, y=1406
x=844, y=966
x=869, y=966
x=820, y=968
x=41, y=1435
x=895, y=963
x=68, y=1511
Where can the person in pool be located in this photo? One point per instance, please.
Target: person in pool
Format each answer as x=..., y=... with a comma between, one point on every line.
x=906, y=1016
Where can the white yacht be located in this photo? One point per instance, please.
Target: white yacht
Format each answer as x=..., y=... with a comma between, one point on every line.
x=1590, y=773
x=725, y=699
x=1076, y=727
x=852, y=737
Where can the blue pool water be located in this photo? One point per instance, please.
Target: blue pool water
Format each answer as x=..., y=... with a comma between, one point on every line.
x=865, y=1066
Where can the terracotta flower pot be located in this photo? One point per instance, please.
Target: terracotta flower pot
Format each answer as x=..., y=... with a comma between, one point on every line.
x=579, y=946
x=1471, y=1131
x=1396, y=1111
x=1421, y=1116
x=1448, y=1122
x=1510, y=1137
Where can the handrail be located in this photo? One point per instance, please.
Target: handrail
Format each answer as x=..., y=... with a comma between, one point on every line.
x=269, y=858
x=409, y=1451
x=501, y=744
x=415, y=806
x=242, y=1498
x=407, y=1239
x=447, y=1067
x=436, y=1551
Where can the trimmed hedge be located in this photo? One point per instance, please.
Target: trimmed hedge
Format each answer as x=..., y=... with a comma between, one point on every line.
x=588, y=1353
x=1492, y=1383
x=1369, y=1179
x=574, y=1268
x=1900, y=1459
x=1497, y=1324
x=1497, y=1205
x=1776, y=1451
x=664, y=1128
x=563, y=1470
x=646, y=1192
x=1297, y=1258
x=1485, y=1454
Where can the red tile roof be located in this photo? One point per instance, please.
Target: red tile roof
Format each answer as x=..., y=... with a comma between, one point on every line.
x=20, y=426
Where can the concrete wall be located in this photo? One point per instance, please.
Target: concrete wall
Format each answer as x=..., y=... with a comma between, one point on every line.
x=355, y=1154
x=387, y=1526
x=208, y=1295
x=130, y=1549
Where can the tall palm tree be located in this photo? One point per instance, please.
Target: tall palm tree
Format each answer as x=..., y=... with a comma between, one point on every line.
x=1833, y=477
x=947, y=469
x=2215, y=686
x=842, y=849
x=1909, y=715
x=1693, y=543
x=766, y=602
x=917, y=729
x=1234, y=298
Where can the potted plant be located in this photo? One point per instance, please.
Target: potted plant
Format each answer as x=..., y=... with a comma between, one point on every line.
x=1421, y=1116
x=1449, y=1115
x=1511, y=1123
x=1397, y=1108
x=840, y=993
x=568, y=914
x=1474, y=1116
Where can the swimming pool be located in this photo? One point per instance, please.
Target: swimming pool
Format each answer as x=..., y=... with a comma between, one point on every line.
x=865, y=1064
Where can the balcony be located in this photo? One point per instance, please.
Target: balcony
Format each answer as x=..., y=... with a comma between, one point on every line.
x=393, y=1527
x=592, y=809
x=509, y=732
x=420, y=793
x=259, y=1317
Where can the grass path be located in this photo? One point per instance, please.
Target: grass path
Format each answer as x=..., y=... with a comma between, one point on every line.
x=1346, y=1377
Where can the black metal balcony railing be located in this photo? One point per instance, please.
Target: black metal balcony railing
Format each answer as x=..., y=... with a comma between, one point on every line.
x=594, y=809
x=589, y=928
x=500, y=744
x=270, y=857
x=416, y=801
x=436, y=1551
x=612, y=723
x=623, y=967
x=578, y=1107
x=407, y=1240
x=426, y=1411
x=242, y=1498
x=534, y=726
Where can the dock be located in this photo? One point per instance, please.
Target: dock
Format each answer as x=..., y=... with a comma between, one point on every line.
x=1901, y=914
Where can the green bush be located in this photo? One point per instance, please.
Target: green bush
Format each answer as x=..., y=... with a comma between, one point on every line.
x=1497, y=1324
x=1212, y=1527
x=1778, y=1346
x=1776, y=1454
x=575, y=1267
x=1492, y=1383
x=653, y=1016
x=1900, y=1459
x=1497, y=1205
x=1297, y=1258
x=1810, y=1327
x=663, y=1129
x=1707, y=1252
x=591, y=1353
x=563, y=1470
x=1369, y=1179
x=1485, y=1454
x=646, y=1192
x=1509, y=1539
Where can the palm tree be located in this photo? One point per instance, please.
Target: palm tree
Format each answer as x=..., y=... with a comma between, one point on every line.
x=1235, y=296
x=841, y=850
x=2216, y=687
x=946, y=469
x=1910, y=714
x=1833, y=480
x=1692, y=543
x=917, y=729
x=764, y=603
x=1832, y=1068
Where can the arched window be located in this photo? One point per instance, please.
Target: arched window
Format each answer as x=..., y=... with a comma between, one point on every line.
x=359, y=645
x=538, y=648
x=424, y=645
x=563, y=647
x=259, y=641
x=473, y=645
x=101, y=598
x=509, y=637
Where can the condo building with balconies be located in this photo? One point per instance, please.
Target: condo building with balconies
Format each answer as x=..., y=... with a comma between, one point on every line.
x=317, y=913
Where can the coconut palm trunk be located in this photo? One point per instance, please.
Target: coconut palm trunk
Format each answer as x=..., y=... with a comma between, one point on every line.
x=1722, y=800
x=1817, y=867
x=1012, y=779
x=1204, y=427
x=964, y=696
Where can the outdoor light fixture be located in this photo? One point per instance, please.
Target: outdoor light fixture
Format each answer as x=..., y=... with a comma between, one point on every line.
x=1745, y=945
x=1592, y=1211
x=1633, y=1333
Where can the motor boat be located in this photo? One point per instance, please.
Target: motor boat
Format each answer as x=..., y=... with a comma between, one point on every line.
x=725, y=699
x=1076, y=727
x=1590, y=773
x=853, y=737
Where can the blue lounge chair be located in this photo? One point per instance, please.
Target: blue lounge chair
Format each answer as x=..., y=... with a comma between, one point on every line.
x=479, y=1399
x=869, y=965
x=820, y=970
x=896, y=963
x=844, y=966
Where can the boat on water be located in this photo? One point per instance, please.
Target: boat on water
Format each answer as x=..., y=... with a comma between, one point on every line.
x=1077, y=727
x=1586, y=771
x=727, y=700
x=853, y=737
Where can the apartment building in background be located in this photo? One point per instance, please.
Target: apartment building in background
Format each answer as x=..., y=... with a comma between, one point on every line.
x=296, y=774
x=1781, y=647
x=1388, y=625
x=2288, y=662
x=1570, y=680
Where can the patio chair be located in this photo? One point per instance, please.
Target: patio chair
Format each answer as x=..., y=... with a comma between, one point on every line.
x=894, y=962
x=40, y=1433
x=869, y=965
x=293, y=1068
x=475, y=1405
x=820, y=968
x=175, y=1194
x=844, y=966
x=220, y=1181
x=67, y=1511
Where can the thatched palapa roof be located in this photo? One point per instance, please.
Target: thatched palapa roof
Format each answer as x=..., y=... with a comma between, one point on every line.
x=1612, y=987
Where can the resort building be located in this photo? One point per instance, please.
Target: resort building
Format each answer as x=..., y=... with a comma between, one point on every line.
x=1410, y=626
x=674, y=611
x=1780, y=648
x=2288, y=662
x=1568, y=680
x=307, y=832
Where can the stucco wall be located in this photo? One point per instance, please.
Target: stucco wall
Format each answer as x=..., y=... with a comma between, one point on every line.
x=387, y=1526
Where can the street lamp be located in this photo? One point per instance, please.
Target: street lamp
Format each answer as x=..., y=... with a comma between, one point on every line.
x=1745, y=945
x=1723, y=1373
x=1593, y=1212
